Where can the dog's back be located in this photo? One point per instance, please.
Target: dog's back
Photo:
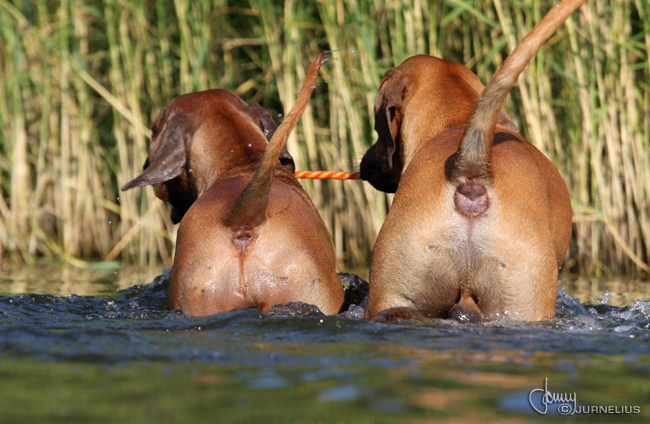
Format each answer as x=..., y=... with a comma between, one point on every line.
x=481, y=219
x=501, y=263
x=199, y=139
x=289, y=257
x=254, y=239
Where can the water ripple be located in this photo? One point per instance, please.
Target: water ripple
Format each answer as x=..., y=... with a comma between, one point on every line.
x=135, y=325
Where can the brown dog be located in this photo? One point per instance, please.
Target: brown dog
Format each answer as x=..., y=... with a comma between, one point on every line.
x=253, y=239
x=481, y=219
x=197, y=140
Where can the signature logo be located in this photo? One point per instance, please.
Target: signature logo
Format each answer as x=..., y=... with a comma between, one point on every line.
x=568, y=404
x=567, y=401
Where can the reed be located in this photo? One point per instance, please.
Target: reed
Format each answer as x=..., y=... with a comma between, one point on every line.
x=82, y=80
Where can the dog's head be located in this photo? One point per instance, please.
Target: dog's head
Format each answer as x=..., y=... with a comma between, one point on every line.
x=197, y=139
x=416, y=101
x=382, y=164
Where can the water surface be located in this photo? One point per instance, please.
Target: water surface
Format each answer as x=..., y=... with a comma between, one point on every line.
x=122, y=356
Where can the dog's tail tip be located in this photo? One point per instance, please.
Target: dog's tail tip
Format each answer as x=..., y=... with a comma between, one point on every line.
x=249, y=209
x=474, y=151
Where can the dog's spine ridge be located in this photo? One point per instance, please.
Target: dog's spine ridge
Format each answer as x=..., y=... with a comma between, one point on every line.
x=249, y=210
x=472, y=163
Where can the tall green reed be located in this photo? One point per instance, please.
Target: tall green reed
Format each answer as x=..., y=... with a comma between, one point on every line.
x=82, y=80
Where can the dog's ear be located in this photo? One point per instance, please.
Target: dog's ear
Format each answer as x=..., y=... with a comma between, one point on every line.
x=265, y=121
x=287, y=160
x=167, y=153
x=381, y=166
x=504, y=119
x=390, y=96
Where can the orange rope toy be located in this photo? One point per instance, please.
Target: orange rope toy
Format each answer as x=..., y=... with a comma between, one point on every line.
x=327, y=175
x=161, y=191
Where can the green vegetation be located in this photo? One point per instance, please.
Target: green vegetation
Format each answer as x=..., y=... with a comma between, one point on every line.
x=82, y=80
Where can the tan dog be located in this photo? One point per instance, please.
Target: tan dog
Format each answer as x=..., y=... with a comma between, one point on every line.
x=481, y=219
x=254, y=239
x=197, y=140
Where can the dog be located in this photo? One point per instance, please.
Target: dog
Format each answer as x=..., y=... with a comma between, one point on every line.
x=481, y=219
x=188, y=154
x=249, y=237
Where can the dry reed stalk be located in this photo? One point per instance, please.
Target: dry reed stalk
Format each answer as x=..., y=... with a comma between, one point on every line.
x=84, y=79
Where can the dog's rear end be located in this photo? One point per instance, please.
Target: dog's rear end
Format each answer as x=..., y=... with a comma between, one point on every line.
x=253, y=241
x=481, y=219
x=497, y=256
x=286, y=258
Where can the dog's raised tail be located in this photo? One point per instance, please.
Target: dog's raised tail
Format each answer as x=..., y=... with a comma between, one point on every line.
x=249, y=210
x=472, y=164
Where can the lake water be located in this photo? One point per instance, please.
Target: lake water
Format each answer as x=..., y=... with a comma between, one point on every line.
x=74, y=349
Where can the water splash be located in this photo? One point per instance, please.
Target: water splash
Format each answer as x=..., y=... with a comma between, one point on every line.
x=336, y=59
x=567, y=307
x=135, y=325
x=354, y=66
x=606, y=297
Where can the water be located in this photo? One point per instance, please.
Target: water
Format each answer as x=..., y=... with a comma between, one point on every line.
x=122, y=356
x=348, y=65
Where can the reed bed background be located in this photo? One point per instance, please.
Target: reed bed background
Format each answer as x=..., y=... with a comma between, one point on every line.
x=81, y=81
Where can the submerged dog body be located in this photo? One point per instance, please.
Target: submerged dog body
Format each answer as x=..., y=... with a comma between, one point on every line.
x=440, y=257
x=288, y=257
x=253, y=238
x=481, y=219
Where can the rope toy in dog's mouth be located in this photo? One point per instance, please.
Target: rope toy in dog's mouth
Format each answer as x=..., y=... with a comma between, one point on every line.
x=327, y=175
x=161, y=191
